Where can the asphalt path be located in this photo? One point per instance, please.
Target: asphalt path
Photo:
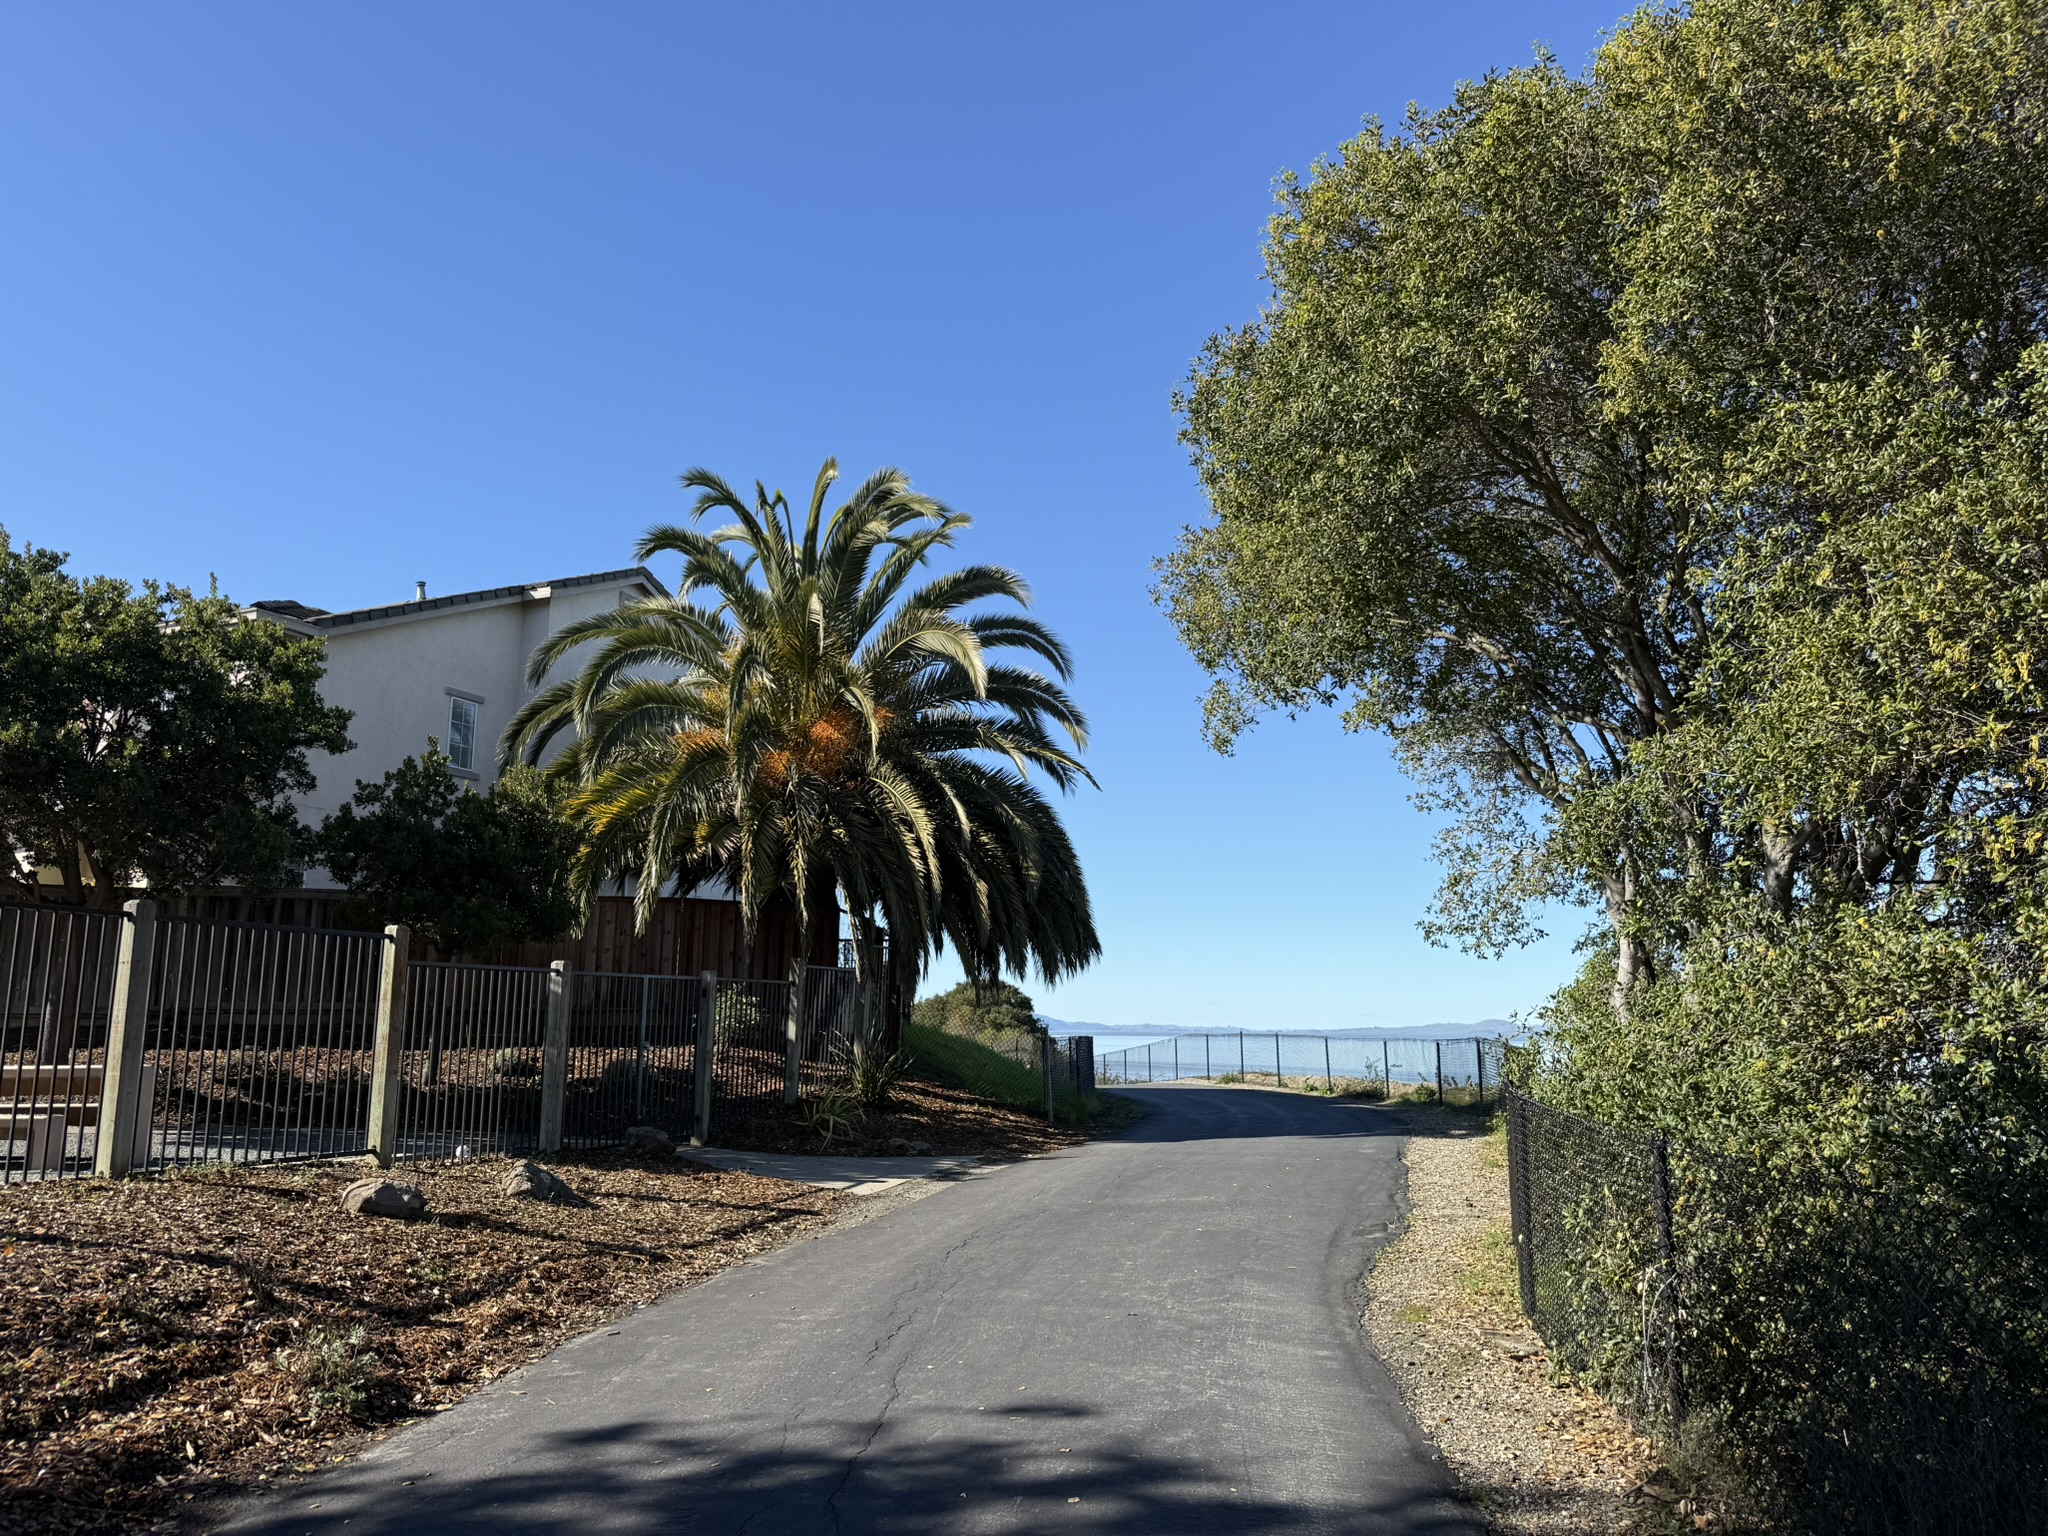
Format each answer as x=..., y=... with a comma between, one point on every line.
x=1155, y=1333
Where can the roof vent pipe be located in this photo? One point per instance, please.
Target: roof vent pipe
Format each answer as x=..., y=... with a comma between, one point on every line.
x=419, y=591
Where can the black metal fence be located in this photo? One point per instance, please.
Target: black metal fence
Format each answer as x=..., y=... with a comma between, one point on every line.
x=470, y=1069
x=56, y=991
x=1463, y=1071
x=260, y=1043
x=1860, y=1353
x=1591, y=1212
x=632, y=1056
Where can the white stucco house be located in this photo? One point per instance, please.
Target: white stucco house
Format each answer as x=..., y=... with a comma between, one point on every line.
x=451, y=669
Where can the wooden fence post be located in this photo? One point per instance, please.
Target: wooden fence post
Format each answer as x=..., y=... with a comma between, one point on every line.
x=554, y=1058
x=389, y=1045
x=793, y=1030
x=126, y=1111
x=705, y=1057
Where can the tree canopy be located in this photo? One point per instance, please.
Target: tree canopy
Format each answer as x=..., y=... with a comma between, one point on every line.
x=1659, y=456
x=148, y=736
x=972, y=1007
x=468, y=872
x=1554, y=375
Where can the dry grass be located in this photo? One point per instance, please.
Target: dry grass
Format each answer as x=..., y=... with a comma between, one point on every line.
x=165, y=1339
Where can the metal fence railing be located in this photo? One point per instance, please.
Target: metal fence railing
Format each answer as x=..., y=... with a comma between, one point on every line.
x=213, y=1042
x=259, y=1042
x=632, y=1056
x=56, y=991
x=1024, y=1068
x=470, y=1071
x=1590, y=1211
x=750, y=1060
x=831, y=1023
x=1460, y=1071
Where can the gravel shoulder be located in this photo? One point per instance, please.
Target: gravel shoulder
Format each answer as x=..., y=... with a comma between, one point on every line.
x=1537, y=1456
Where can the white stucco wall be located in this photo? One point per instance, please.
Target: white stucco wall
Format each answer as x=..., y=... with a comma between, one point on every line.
x=395, y=675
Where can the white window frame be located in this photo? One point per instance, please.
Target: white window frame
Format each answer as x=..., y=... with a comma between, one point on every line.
x=457, y=698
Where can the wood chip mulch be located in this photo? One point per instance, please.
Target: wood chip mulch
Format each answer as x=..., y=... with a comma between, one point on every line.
x=1537, y=1455
x=165, y=1339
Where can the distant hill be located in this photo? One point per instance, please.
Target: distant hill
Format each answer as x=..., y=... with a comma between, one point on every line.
x=1482, y=1029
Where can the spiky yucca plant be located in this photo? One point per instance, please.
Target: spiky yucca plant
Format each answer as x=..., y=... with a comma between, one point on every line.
x=800, y=719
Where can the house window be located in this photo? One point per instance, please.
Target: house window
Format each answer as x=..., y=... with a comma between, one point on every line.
x=462, y=733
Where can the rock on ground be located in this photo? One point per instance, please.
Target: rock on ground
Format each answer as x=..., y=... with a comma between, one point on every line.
x=528, y=1180
x=649, y=1141
x=384, y=1197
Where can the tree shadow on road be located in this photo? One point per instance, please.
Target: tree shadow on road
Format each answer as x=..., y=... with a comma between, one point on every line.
x=1184, y=1113
x=645, y=1476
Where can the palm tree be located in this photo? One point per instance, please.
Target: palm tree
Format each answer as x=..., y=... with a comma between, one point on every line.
x=821, y=728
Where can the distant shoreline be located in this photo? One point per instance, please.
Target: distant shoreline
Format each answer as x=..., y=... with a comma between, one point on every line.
x=1483, y=1029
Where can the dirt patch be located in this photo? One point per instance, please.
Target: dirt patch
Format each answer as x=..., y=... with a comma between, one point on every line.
x=166, y=1339
x=1538, y=1456
x=953, y=1122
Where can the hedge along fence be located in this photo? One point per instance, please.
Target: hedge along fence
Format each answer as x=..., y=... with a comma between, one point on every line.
x=1861, y=1358
x=129, y=1042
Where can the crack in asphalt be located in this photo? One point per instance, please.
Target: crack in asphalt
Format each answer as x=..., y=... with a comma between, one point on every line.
x=905, y=1316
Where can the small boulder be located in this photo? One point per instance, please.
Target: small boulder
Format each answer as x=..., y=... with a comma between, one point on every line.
x=909, y=1148
x=649, y=1141
x=528, y=1180
x=384, y=1197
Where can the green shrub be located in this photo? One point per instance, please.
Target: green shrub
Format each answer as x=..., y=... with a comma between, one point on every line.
x=515, y=1063
x=739, y=1017
x=1856, y=1106
x=1422, y=1093
x=978, y=1008
x=835, y=1114
x=335, y=1370
x=872, y=1075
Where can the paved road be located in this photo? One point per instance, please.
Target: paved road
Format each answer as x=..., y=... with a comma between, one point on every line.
x=1151, y=1334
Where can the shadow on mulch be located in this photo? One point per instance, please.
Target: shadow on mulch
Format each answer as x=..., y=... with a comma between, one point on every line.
x=168, y=1339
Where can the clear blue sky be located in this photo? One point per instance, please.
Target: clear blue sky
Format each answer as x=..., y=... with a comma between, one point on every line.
x=331, y=299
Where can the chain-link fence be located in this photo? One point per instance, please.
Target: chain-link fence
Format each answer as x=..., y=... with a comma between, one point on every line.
x=1463, y=1071
x=1863, y=1354
x=1590, y=1209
